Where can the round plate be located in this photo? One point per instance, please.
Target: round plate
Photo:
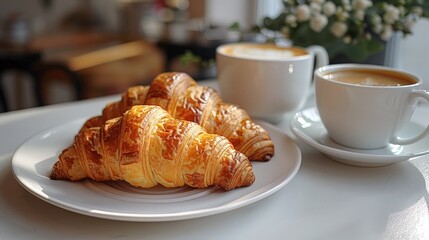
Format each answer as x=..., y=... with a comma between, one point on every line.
x=33, y=161
x=307, y=126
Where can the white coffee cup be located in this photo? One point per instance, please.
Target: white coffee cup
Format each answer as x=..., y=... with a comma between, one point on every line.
x=267, y=80
x=365, y=106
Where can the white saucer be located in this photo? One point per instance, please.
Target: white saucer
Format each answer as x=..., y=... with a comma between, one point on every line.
x=307, y=126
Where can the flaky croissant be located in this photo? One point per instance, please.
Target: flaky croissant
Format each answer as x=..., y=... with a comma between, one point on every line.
x=147, y=147
x=184, y=99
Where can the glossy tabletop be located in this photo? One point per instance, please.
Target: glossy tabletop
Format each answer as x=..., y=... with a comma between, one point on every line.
x=325, y=199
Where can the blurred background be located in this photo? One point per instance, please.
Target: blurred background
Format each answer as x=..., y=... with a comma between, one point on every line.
x=54, y=51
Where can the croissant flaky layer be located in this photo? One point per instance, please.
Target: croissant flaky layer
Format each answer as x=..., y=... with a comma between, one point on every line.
x=147, y=147
x=184, y=99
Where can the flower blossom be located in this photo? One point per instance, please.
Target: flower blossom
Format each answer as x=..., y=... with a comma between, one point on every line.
x=386, y=33
x=377, y=28
x=318, y=22
x=376, y=19
x=359, y=14
x=315, y=8
x=342, y=15
x=285, y=32
x=361, y=5
x=338, y=29
x=346, y=5
x=351, y=22
x=409, y=22
x=302, y=13
x=291, y=20
x=391, y=15
x=329, y=9
x=417, y=10
x=347, y=39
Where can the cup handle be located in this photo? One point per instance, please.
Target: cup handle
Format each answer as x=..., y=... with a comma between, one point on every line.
x=418, y=94
x=322, y=57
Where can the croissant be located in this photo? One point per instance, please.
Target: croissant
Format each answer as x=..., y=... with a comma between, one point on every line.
x=147, y=147
x=180, y=95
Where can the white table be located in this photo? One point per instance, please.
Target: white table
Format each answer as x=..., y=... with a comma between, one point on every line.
x=325, y=200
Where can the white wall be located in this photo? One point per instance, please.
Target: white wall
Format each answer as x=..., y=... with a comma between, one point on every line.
x=42, y=19
x=414, y=52
x=246, y=12
x=226, y=12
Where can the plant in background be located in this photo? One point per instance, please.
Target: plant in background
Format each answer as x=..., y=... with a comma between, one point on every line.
x=190, y=58
x=196, y=66
x=355, y=28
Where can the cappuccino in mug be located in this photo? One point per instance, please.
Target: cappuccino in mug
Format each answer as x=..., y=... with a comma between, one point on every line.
x=369, y=77
x=366, y=106
x=267, y=80
x=262, y=51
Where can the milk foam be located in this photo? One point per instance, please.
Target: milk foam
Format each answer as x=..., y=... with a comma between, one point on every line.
x=369, y=81
x=369, y=78
x=264, y=53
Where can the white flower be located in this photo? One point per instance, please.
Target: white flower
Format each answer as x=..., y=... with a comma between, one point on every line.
x=391, y=15
x=377, y=28
x=361, y=5
x=360, y=15
x=402, y=10
x=386, y=33
x=376, y=19
x=291, y=20
x=302, y=13
x=338, y=29
x=318, y=22
x=316, y=8
x=409, y=22
x=342, y=15
x=417, y=10
x=347, y=39
x=285, y=32
x=368, y=36
x=346, y=5
x=355, y=23
x=329, y=9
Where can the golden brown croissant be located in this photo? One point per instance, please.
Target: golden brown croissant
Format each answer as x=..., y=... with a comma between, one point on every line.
x=147, y=147
x=180, y=95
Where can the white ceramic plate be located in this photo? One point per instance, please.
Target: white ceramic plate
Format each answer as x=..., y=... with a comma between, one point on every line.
x=307, y=126
x=33, y=161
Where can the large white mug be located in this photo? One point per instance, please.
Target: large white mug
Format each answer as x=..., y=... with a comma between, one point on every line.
x=267, y=80
x=365, y=106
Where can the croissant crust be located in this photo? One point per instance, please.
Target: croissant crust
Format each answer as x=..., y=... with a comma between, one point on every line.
x=184, y=99
x=146, y=147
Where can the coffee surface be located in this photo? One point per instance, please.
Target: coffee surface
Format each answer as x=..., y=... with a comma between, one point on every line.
x=262, y=51
x=370, y=77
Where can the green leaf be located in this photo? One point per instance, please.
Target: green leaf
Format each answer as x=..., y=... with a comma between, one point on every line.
x=274, y=24
x=425, y=7
x=235, y=26
x=357, y=51
x=255, y=29
x=374, y=46
x=267, y=22
x=188, y=58
x=335, y=47
x=363, y=49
